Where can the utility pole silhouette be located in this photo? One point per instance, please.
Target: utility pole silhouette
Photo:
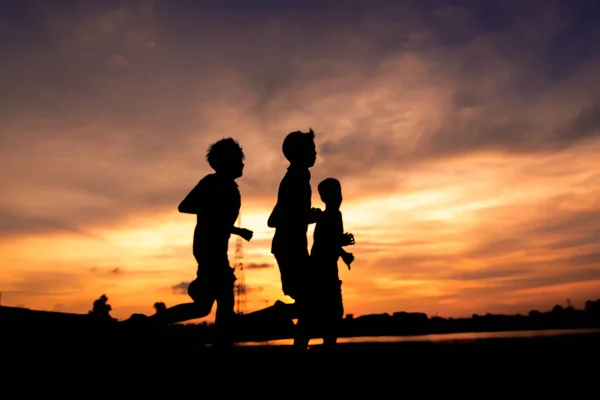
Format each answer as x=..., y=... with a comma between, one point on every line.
x=240, y=287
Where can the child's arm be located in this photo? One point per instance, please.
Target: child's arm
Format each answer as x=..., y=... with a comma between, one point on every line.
x=190, y=205
x=346, y=257
x=347, y=239
x=313, y=215
x=272, y=221
x=243, y=232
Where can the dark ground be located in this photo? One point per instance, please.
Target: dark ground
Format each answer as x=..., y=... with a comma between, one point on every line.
x=562, y=366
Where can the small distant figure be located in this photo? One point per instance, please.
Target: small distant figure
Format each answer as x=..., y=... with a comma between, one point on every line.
x=326, y=309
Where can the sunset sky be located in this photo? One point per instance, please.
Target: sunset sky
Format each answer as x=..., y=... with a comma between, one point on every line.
x=466, y=136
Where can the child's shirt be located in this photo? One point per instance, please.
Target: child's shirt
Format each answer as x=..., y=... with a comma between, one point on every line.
x=327, y=245
x=217, y=202
x=292, y=213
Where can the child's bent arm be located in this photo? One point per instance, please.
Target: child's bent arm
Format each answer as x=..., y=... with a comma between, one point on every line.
x=243, y=232
x=237, y=231
x=346, y=257
x=347, y=239
x=313, y=215
x=188, y=205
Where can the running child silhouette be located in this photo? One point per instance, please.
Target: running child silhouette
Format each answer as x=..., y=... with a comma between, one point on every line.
x=291, y=217
x=325, y=308
x=216, y=202
x=293, y=213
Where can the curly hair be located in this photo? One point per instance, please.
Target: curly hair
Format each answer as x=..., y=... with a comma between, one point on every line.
x=294, y=143
x=223, y=152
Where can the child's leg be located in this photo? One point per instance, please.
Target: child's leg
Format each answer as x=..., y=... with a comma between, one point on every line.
x=225, y=315
x=291, y=266
x=335, y=315
x=330, y=331
x=309, y=320
x=183, y=312
x=200, y=308
x=304, y=324
x=330, y=340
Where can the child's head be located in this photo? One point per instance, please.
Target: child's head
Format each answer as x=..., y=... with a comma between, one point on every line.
x=299, y=148
x=226, y=157
x=330, y=191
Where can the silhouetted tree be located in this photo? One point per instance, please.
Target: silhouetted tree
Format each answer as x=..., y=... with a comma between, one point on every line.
x=592, y=307
x=557, y=309
x=535, y=314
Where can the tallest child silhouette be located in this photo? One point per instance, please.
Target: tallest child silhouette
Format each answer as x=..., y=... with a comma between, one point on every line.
x=292, y=215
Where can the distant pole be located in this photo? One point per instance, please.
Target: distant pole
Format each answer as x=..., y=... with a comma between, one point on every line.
x=0, y=298
x=240, y=287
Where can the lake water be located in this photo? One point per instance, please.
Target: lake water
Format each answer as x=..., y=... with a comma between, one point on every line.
x=446, y=337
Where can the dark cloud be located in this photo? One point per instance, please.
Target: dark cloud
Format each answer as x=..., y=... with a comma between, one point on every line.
x=109, y=271
x=258, y=265
x=126, y=274
x=180, y=288
x=20, y=223
x=176, y=95
x=504, y=287
x=570, y=243
x=566, y=222
x=506, y=279
x=45, y=283
x=556, y=231
x=488, y=274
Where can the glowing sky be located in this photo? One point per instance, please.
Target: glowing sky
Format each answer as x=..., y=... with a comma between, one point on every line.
x=466, y=136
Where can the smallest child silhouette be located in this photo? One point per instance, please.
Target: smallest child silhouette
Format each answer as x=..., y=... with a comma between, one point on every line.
x=326, y=308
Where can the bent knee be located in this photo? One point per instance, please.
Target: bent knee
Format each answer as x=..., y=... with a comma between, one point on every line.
x=203, y=308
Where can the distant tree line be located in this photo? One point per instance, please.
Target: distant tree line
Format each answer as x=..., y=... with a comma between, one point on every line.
x=396, y=324
x=404, y=323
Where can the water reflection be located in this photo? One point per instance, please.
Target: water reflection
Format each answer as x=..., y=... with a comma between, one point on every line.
x=447, y=337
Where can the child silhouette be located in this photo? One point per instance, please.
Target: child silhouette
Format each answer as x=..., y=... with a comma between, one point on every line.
x=325, y=305
x=216, y=202
x=292, y=215
x=293, y=212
